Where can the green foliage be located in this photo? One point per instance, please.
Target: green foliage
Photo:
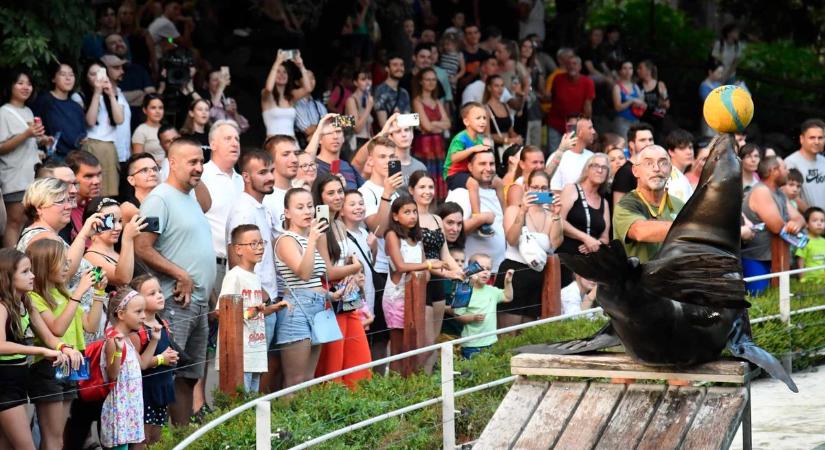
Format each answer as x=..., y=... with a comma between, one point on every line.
x=325, y=408
x=33, y=33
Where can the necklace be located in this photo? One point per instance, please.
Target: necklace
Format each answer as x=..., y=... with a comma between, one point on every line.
x=665, y=201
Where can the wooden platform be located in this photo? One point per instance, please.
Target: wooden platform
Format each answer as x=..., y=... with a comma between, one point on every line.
x=539, y=414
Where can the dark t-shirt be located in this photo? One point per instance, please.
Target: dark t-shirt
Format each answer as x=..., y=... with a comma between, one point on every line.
x=588, y=53
x=65, y=116
x=624, y=181
x=203, y=138
x=135, y=78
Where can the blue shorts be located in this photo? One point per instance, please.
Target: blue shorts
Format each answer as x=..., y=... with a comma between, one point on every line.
x=294, y=323
x=469, y=352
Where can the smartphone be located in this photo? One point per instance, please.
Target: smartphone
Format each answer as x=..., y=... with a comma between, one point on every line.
x=290, y=54
x=152, y=224
x=225, y=71
x=343, y=121
x=542, y=198
x=101, y=74
x=108, y=223
x=335, y=167
x=393, y=167
x=98, y=273
x=408, y=120
x=571, y=128
x=472, y=268
x=322, y=213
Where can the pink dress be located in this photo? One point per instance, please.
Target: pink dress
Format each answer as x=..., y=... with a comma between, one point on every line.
x=121, y=420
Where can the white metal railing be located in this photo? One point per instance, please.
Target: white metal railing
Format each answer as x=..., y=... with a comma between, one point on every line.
x=263, y=418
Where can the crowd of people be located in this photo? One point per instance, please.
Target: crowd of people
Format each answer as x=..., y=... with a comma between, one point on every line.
x=131, y=209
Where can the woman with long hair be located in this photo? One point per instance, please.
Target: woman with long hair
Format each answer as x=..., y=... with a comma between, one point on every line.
x=102, y=253
x=500, y=116
x=359, y=105
x=196, y=125
x=281, y=91
x=63, y=118
x=20, y=134
x=145, y=136
x=628, y=99
x=530, y=159
x=345, y=276
x=655, y=95
x=223, y=107
x=428, y=145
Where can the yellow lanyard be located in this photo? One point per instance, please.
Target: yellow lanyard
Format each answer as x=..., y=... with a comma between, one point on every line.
x=665, y=201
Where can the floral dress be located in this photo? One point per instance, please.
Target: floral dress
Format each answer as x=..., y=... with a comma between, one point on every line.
x=121, y=420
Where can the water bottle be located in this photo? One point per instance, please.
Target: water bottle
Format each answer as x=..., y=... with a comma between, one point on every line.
x=60, y=372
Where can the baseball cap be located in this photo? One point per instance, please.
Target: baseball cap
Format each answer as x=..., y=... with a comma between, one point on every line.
x=112, y=60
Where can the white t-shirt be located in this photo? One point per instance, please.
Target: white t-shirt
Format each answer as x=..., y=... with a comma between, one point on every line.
x=103, y=130
x=247, y=210
x=571, y=299
x=372, y=201
x=493, y=246
x=123, y=132
x=570, y=169
x=224, y=191
x=813, y=172
x=242, y=282
x=274, y=203
x=474, y=92
x=366, y=259
x=679, y=186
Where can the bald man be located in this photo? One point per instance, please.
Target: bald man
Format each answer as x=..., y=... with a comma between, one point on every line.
x=180, y=254
x=643, y=217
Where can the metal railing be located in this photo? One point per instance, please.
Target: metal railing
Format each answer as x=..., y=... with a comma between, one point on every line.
x=263, y=418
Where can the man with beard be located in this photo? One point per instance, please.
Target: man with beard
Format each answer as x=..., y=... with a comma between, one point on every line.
x=389, y=96
x=184, y=265
x=643, y=217
x=136, y=81
x=283, y=151
x=259, y=180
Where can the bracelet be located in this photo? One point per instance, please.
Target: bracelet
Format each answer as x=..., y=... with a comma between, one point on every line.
x=61, y=346
x=555, y=219
x=161, y=360
x=100, y=293
x=74, y=299
x=116, y=355
x=429, y=265
x=388, y=200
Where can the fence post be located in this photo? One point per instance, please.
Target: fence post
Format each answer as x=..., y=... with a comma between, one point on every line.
x=230, y=343
x=447, y=397
x=415, y=294
x=780, y=257
x=551, y=291
x=263, y=426
x=785, y=315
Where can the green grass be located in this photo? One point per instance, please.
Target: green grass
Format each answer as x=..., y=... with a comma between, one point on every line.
x=325, y=408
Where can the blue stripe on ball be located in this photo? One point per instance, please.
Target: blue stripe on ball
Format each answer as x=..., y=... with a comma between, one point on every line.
x=727, y=100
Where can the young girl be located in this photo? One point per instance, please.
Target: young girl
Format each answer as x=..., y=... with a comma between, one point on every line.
x=121, y=419
x=406, y=254
x=62, y=313
x=366, y=246
x=158, y=383
x=145, y=136
x=18, y=320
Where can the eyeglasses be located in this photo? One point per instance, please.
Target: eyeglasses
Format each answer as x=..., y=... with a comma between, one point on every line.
x=308, y=166
x=650, y=164
x=145, y=171
x=62, y=202
x=256, y=244
x=599, y=167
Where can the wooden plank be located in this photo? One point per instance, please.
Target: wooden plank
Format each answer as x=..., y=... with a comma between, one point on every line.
x=780, y=260
x=672, y=419
x=230, y=344
x=716, y=421
x=591, y=416
x=551, y=290
x=413, y=337
x=551, y=415
x=512, y=414
x=631, y=416
x=623, y=366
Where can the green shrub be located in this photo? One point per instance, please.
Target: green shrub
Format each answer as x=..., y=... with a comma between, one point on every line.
x=320, y=410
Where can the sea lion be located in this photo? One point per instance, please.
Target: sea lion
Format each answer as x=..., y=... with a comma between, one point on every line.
x=687, y=304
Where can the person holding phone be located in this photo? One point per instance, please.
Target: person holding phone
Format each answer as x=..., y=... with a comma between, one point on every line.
x=537, y=218
x=282, y=89
x=101, y=253
x=224, y=107
x=585, y=230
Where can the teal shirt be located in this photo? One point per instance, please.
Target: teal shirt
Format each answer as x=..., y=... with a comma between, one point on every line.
x=460, y=142
x=483, y=301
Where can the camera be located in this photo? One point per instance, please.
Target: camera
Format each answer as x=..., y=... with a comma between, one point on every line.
x=343, y=121
x=177, y=63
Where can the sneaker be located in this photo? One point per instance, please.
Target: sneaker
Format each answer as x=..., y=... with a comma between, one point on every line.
x=486, y=230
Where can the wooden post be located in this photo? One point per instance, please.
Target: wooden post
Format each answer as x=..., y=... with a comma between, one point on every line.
x=415, y=301
x=551, y=291
x=780, y=257
x=230, y=343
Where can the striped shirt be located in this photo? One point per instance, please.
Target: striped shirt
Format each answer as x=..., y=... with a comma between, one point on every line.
x=293, y=281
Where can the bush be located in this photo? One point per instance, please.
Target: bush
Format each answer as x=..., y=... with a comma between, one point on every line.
x=328, y=407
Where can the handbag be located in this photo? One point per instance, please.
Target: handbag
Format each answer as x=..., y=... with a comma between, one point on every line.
x=530, y=250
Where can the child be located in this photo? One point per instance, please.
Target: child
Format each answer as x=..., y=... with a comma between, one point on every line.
x=158, y=381
x=814, y=253
x=451, y=326
x=248, y=246
x=462, y=147
x=451, y=60
x=20, y=319
x=121, y=419
x=480, y=315
x=64, y=317
x=406, y=255
x=793, y=186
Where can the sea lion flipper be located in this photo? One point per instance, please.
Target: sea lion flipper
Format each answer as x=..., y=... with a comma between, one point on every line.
x=704, y=279
x=604, y=338
x=742, y=346
x=608, y=265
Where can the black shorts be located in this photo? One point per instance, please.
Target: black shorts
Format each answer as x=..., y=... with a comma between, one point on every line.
x=13, y=385
x=43, y=387
x=458, y=180
x=436, y=291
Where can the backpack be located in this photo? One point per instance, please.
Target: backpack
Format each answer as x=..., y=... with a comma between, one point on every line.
x=95, y=389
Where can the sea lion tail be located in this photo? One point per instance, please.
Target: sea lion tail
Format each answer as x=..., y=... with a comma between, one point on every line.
x=742, y=346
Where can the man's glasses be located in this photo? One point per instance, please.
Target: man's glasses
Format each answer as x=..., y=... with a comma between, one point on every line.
x=650, y=164
x=145, y=171
x=255, y=244
x=308, y=166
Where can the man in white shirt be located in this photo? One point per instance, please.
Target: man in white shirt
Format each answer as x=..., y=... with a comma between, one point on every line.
x=284, y=151
x=679, y=144
x=259, y=180
x=810, y=162
x=379, y=192
x=483, y=168
x=163, y=26
x=572, y=161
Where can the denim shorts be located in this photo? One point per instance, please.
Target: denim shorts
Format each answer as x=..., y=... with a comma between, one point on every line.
x=270, y=322
x=294, y=323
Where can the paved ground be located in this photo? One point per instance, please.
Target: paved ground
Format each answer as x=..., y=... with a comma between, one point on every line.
x=784, y=420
